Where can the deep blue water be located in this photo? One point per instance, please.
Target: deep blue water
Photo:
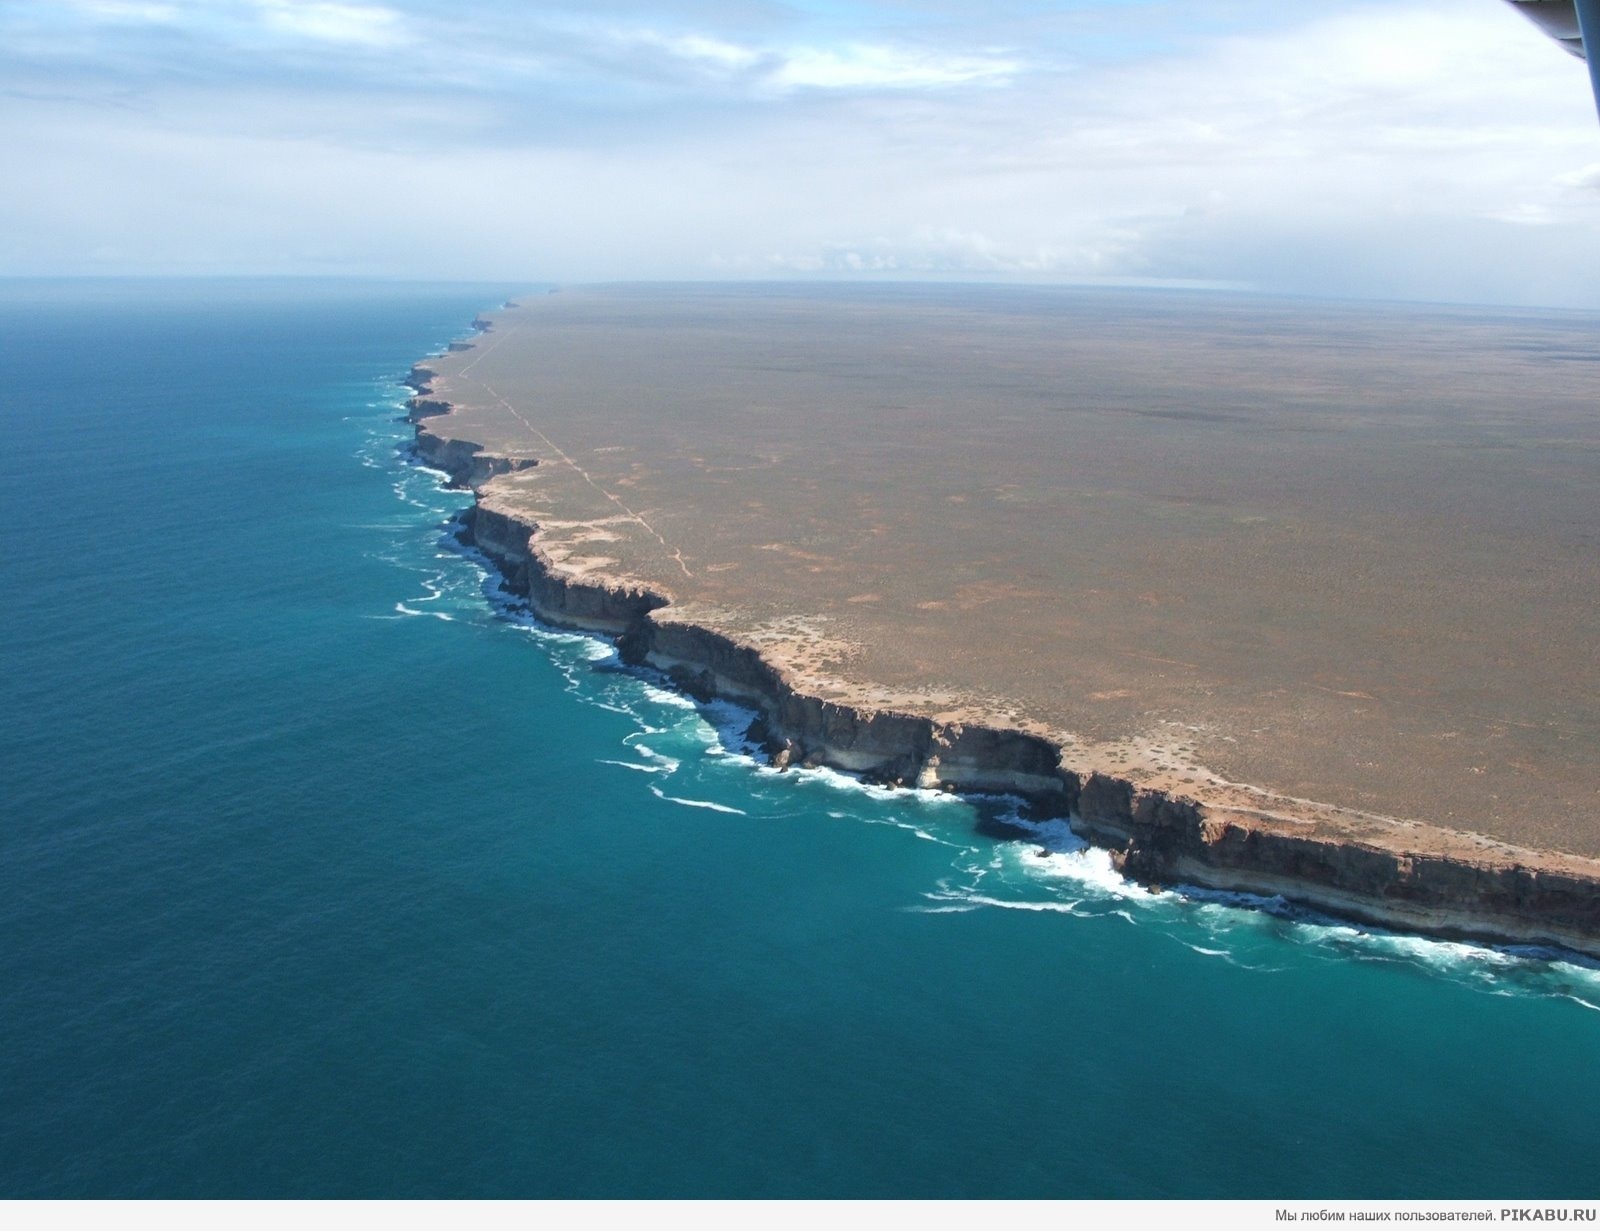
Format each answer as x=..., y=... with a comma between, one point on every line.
x=322, y=874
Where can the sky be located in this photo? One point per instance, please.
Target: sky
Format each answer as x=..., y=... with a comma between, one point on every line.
x=1407, y=149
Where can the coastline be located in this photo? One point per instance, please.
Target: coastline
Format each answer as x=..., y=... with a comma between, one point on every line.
x=1400, y=875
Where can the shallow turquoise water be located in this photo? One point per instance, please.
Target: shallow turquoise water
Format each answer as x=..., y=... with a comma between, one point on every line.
x=324, y=873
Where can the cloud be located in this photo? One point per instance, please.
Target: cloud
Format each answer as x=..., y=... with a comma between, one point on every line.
x=362, y=25
x=1401, y=147
x=1583, y=182
x=772, y=68
x=128, y=11
x=1093, y=253
x=696, y=49
x=864, y=66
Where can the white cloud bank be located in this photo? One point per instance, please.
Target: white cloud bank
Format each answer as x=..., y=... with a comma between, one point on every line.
x=1431, y=149
x=365, y=25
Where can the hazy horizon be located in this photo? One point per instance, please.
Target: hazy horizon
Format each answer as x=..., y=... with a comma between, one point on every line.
x=510, y=290
x=1424, y=150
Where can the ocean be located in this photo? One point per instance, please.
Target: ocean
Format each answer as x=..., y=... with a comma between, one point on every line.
x=326, y=871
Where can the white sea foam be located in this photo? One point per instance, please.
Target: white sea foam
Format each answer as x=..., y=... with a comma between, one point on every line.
x=662, y=696
x=1035, y=905
x=696, y=803
x=643, y=769
x=899, y=822
x=1060, y=854
x=1235, y=924
x=412, y=611
x=847, y=784
x=668, y=764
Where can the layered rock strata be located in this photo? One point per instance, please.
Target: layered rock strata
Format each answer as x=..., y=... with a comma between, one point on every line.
x=1407, y=876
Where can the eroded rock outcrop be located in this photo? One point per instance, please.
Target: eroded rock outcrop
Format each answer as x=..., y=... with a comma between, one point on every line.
x=1158, y=839
x=464, y=460
x=1411, y=878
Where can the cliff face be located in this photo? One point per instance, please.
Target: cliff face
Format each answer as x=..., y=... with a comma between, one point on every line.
x=1157, y=839
x=463, y=460
x=882, y=746
x=555, y=597
x=1501, y=895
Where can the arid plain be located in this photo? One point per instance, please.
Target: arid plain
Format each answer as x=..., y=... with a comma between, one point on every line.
x=1334, y=563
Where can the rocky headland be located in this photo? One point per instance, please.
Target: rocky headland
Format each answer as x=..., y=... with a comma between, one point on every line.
x=1369, y=867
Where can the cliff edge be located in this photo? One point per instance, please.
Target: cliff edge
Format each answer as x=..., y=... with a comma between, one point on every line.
x=560, y=541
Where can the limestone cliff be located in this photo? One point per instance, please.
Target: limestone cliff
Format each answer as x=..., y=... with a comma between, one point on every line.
x=1410, y=877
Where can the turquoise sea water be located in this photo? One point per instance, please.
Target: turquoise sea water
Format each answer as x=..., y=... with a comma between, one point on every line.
x=324, y=873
